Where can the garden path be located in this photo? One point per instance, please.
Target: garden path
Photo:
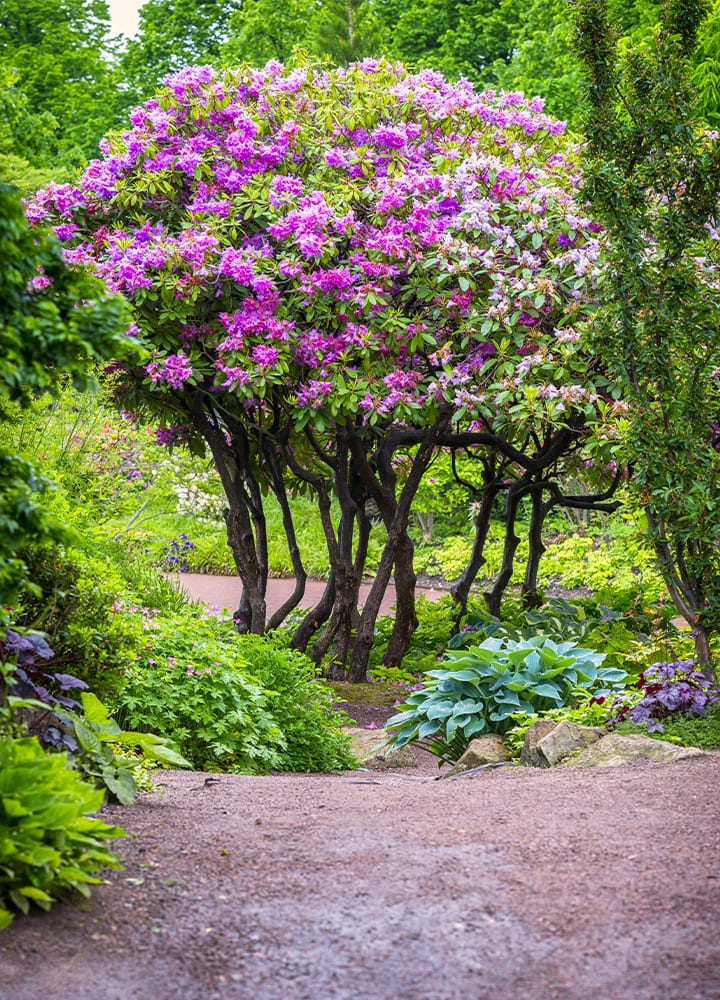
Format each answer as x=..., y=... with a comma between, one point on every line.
x=223, y=592
x=520, y=885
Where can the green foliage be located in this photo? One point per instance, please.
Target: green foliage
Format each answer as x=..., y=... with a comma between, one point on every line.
x=652, y=175
x=266, y=29
x=684, y=731
x=62, y=57
x=583, y=622
x=57, y=324
x=587, y=712
x=26, y=140
x=76, y=606
x=480, y=690
x=436, y=626
x=171, y=36
x=98, y=757
x=302, y=704
x=49, y=844
x=197, y=686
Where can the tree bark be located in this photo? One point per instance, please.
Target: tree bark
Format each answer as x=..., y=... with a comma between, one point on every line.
x=493, y=597
x=531, y=597
x=406, y=620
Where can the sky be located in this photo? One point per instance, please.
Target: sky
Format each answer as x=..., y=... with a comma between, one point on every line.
x=124, y=16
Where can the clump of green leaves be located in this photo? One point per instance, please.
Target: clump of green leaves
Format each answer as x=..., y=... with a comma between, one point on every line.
x=49, y=844
x=686, y=731
x=230, y=702
x=98, y=755
x=479, y=690
x=585, y=623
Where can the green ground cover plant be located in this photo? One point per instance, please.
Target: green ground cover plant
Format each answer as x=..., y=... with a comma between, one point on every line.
x=229, y=702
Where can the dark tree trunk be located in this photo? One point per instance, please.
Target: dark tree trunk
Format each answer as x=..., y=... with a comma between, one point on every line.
x=244, y=512
x=316, y=617
x=298, y=569
x=493, y=597
x=531, y=597
x=460, y=590
x=396, y=514
x=250, y=616
x=406, y=620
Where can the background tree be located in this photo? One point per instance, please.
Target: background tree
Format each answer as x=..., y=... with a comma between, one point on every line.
x=60, y=55
x=345, y=31
x=261, y=30
x=653, y=177
x=54, y=325
x=173, y=34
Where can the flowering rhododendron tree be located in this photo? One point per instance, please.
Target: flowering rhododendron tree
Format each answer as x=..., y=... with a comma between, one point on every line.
x=330, y=268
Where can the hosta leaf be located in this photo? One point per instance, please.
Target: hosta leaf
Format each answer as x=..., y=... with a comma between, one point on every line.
x=439, y=711
x=427, y=729
x=547, y=691
x=474, y=726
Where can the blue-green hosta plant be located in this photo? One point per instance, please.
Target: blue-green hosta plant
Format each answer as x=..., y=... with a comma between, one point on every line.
x=479, y=690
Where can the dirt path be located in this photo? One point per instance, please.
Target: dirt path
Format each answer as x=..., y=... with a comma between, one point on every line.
x=560, y=885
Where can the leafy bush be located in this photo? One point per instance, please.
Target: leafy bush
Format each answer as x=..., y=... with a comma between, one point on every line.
x=49, y=843
x=584, y=622
x=74, y=608
x=302, y=704
x=481, y=689
x=229, y=702
x=667, y=690
x=97, y=741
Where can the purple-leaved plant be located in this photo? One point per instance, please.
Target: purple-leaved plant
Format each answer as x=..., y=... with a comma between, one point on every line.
x=671, y=688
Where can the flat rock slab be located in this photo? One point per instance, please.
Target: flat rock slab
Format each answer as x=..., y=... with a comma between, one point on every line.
x=367, y=745
x=616, y=749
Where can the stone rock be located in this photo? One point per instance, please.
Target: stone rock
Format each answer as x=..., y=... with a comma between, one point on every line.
x=566, y=739
x=367, y=745
x=615, y=749
x=489, y=749
x=529, y=756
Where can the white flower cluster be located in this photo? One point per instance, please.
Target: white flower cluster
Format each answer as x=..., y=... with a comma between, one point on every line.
x=193, y=497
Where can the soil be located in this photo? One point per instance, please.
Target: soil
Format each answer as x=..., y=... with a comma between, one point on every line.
x=512, y=883
x=516, y=883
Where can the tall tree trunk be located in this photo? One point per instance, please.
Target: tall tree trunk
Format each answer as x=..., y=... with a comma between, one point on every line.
x=460, y=590
x=493, y=597
x=292, y=602
x=531, y=597
x=406, y=620
x=396, y=534
x=250, y=615
x=316, y=617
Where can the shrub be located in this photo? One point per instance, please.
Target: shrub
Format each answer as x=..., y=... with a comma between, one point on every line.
x=49, y=843
x=229, y=702
x=302, y=704
x=584, y=622
x=480, y=690
x=75, y=610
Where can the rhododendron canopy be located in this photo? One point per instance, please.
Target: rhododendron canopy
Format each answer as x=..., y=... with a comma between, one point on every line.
x=363, y=252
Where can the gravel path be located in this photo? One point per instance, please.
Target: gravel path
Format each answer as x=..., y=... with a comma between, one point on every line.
x=393, y=886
